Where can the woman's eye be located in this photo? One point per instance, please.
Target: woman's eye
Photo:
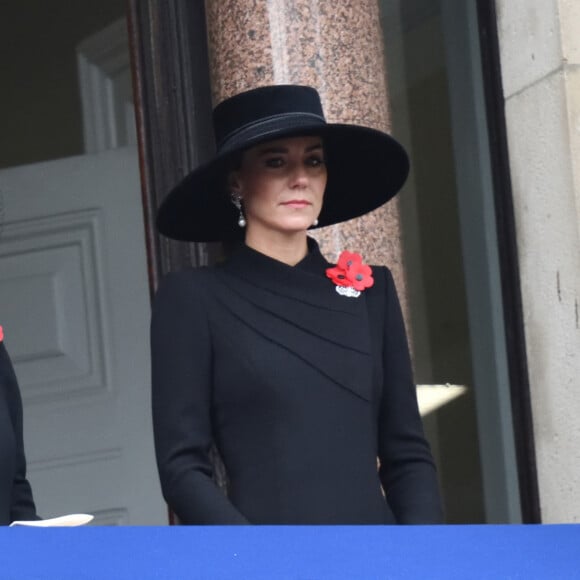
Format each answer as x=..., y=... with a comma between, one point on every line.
x=315, y=161
x=274, y=162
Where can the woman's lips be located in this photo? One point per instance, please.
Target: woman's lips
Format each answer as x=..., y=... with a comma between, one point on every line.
x=296, y=203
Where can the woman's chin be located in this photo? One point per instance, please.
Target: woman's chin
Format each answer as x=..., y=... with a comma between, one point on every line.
x=300, y=222
x=298, y=227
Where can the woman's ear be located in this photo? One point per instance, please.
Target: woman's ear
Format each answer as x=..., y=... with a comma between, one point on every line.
x=234, y=181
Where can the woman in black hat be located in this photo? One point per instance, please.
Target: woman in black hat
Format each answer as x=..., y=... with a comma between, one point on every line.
x=16, y=501
x=297, y=370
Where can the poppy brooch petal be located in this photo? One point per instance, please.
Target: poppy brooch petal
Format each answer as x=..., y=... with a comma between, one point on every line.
x=338, y=276
x=1, y=334
x=347, y=260
x=361, y=276
x=351, y=275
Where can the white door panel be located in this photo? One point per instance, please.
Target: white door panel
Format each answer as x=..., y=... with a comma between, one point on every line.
x=74, y=304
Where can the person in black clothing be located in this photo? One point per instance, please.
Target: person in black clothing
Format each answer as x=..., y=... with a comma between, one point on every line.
x=16, y=501
x=296, y=369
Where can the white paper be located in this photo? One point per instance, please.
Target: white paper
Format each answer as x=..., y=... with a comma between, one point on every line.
x=69, y=520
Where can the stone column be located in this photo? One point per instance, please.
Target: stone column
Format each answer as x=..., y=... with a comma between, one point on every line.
x=540, y=57
x=336, y=47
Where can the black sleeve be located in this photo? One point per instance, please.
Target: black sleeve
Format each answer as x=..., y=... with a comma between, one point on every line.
x=407, y=469
x=182, y=384
x=22, y=504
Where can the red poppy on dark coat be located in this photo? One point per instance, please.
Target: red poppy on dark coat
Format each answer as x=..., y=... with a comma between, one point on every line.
x=338, y=276
x=350, y=271
x=348, y=259
x=361, y=276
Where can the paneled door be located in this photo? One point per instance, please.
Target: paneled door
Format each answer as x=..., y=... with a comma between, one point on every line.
x=74, y=305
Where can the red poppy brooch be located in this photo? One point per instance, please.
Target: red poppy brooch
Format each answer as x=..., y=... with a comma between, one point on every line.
x=1, y=334
x=350, y=275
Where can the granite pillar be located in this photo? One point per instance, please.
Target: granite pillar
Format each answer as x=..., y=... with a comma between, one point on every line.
x=335, y=47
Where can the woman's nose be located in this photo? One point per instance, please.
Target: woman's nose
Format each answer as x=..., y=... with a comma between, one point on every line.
x=299, y=176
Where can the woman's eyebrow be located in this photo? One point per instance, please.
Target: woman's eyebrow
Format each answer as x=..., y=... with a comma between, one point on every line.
x=268, y=150
x=280, y=149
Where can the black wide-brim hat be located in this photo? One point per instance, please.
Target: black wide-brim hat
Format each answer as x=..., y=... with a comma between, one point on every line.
x=365, y=167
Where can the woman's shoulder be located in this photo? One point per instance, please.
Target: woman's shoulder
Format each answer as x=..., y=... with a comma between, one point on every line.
x=190, y=278
x=382, y=296
x=383, y=272
x=185, y=286
x=384, y=283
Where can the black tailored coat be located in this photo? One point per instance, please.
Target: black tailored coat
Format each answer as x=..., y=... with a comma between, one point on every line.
x=16, y=501
x=300, y=389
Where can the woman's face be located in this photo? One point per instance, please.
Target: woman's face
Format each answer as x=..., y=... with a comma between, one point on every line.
x=282, y=184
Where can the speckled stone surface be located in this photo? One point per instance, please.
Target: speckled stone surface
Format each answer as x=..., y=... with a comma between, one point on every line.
x=336, y=47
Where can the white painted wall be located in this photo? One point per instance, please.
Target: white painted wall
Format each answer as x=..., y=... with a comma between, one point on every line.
x=540, y=58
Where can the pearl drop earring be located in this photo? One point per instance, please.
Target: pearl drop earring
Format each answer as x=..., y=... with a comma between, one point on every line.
x=237, y=201
x=315, y=223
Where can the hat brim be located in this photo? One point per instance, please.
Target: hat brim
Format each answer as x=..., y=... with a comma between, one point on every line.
x=366, y=168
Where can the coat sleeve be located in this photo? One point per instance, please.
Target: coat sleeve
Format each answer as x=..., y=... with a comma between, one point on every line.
x=22, y=503
x=182, y=392
x=407, y=469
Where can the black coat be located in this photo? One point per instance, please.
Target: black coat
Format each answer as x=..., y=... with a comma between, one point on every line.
x=301, y=389
x=16, y=501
